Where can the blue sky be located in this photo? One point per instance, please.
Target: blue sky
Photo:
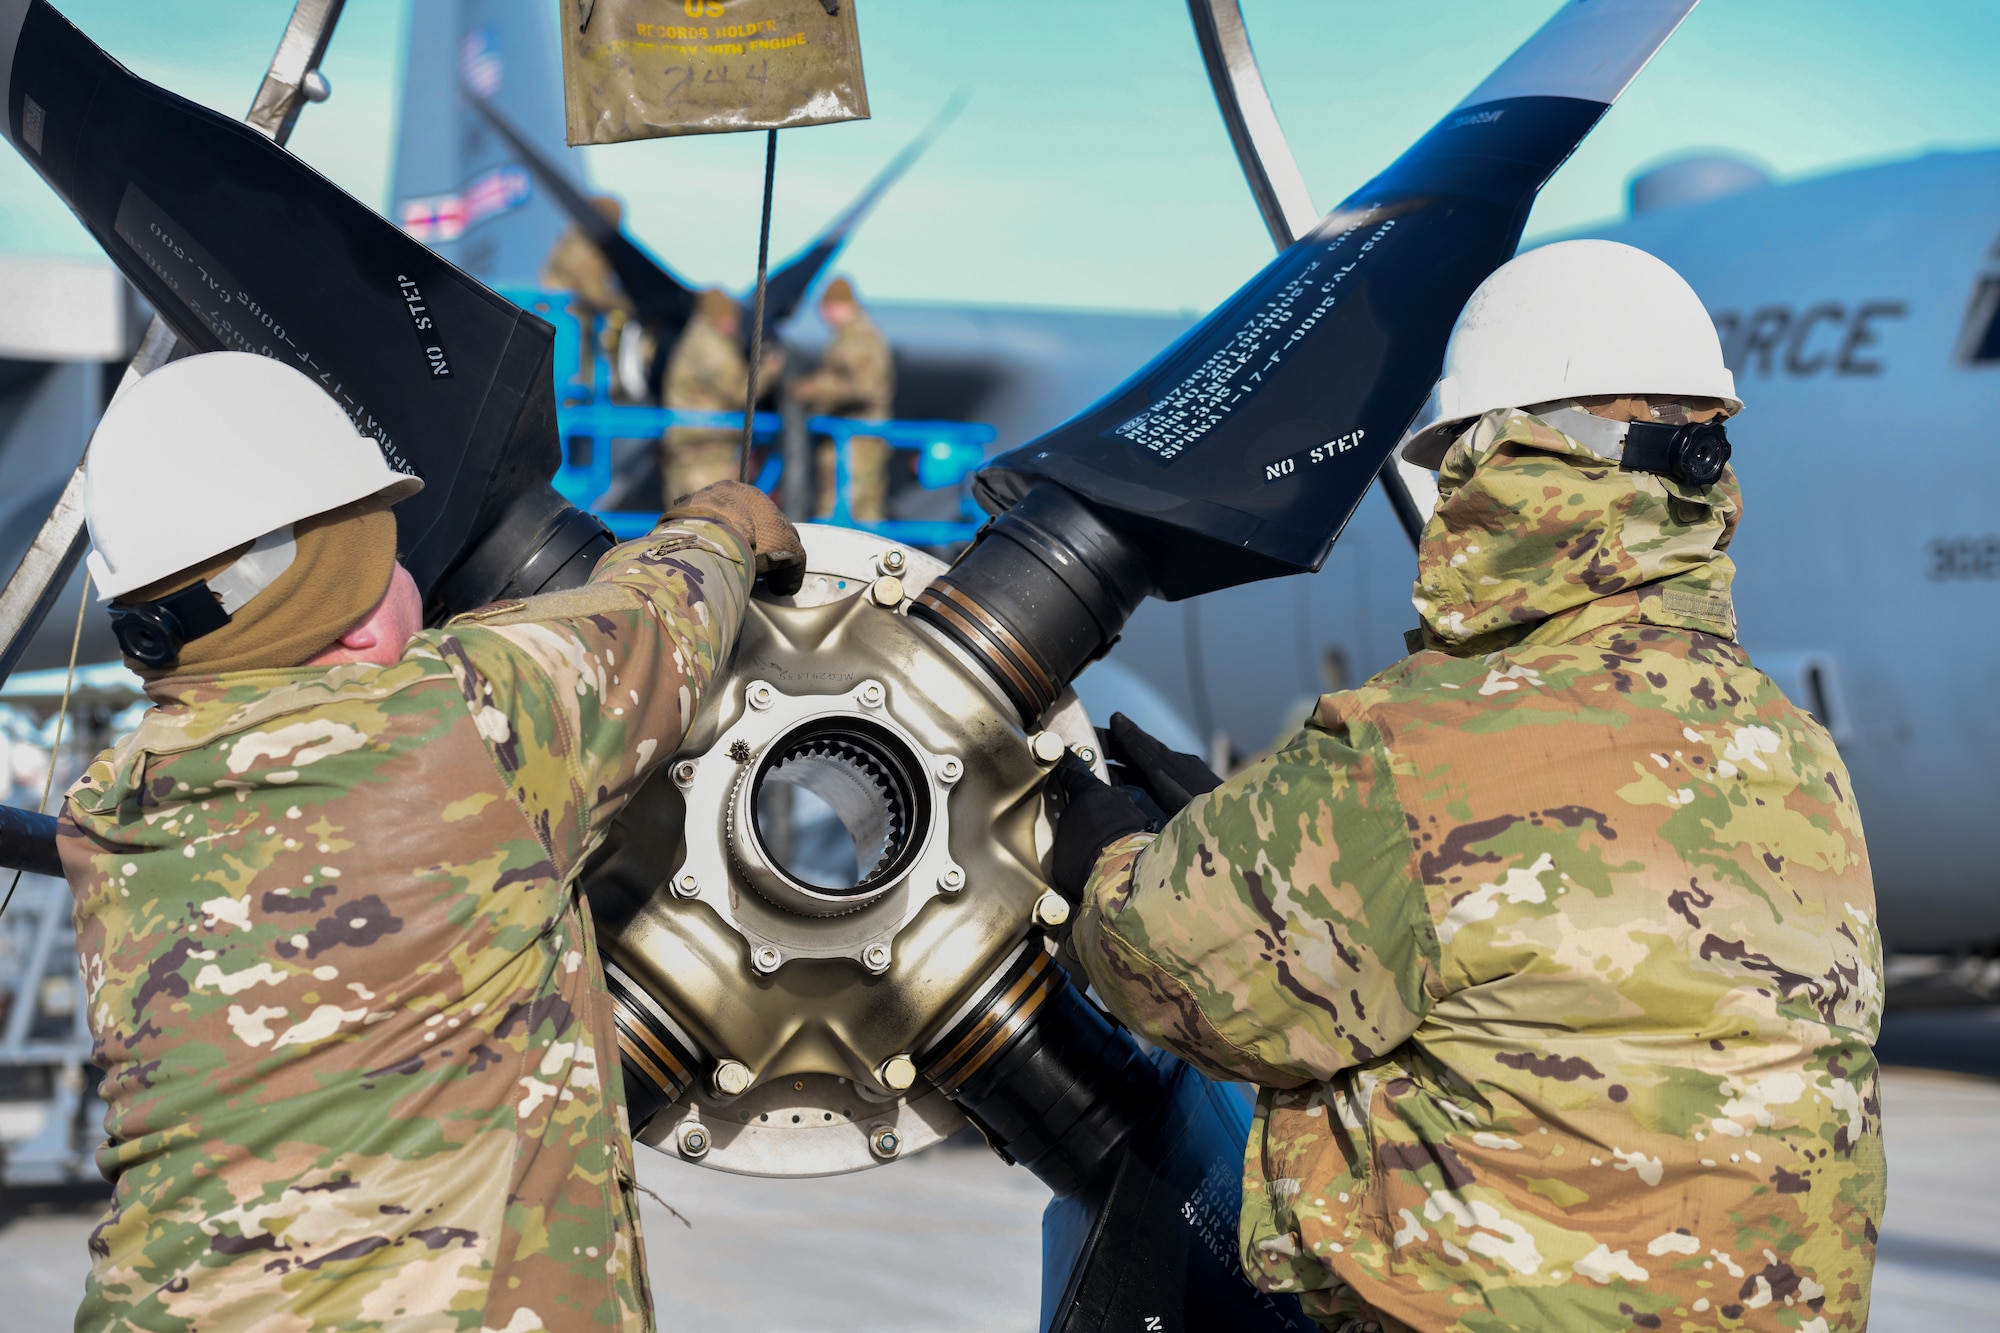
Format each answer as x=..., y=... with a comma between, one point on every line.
x=1090, y=167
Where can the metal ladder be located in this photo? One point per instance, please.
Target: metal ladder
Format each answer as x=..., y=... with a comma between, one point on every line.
x=50, y=1117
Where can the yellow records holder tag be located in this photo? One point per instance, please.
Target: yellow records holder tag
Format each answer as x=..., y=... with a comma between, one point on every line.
x=643, y=69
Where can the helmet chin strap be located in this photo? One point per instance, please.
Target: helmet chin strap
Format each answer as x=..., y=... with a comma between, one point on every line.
x=255, y=570
x=1693, y=455
x=1601, y=435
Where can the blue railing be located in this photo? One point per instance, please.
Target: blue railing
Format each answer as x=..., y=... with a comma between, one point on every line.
x=947, y=452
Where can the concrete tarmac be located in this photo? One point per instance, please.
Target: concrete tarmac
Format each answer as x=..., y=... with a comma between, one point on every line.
x=951, y=1239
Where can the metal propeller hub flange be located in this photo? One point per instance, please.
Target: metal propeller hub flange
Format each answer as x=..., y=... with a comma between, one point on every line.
x=871, y=846
x=847, y=845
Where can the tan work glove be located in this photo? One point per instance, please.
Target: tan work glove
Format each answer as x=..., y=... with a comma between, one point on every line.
x=749, y=513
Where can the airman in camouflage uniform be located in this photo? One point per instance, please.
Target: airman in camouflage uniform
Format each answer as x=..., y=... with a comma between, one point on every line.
x=707, y=373
x=360, y=1066
x=575, y=265
x=856, y=378
x=1552, y=946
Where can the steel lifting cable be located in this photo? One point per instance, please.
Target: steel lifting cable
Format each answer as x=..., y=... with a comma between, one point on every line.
x=757, y=313
x=62, y=717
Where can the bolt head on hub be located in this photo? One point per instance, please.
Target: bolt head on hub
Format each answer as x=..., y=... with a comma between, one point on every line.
x=884, y=1141
x=876, y=958
x=766, y=959
x=731, y=1078
x=1047, y=746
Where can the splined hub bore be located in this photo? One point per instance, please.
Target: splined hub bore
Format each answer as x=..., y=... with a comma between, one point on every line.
x=839, y=810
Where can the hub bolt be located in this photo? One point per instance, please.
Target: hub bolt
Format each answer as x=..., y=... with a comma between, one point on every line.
x=876, y=958
x=950, y=769
x=886, y=591
x=684, y=772
x=732, y=1078
x=1047, y=746
x=1051, y=910
x=686, y=885
x=761, y=695
x=893, y=561
x=765, y=959
x=872, y=693
x=885, y=1142
x=897, y=1073
x=693, y=1141
x=951, y=879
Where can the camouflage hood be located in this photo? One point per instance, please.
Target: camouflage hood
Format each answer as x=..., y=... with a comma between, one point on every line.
x=1533, y=526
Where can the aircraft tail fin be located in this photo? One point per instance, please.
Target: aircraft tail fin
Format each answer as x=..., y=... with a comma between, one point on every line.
x=456, y=186
x=1241, y=451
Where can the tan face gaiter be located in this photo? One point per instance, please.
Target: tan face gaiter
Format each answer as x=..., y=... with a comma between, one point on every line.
x=344, y=562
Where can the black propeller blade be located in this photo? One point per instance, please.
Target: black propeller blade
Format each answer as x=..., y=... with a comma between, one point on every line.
x=788, y=285
x=242, y=247
x=661, y=299
x=1242, y=450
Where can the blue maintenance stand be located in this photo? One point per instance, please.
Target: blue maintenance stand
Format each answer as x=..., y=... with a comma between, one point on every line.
x=947, y=452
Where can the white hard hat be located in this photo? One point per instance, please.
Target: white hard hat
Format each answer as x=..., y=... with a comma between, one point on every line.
x=213, y=451
x=1571, y=320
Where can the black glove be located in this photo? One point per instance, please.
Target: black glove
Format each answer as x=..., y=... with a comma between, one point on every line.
x=1171, y=778
x=1096, y=815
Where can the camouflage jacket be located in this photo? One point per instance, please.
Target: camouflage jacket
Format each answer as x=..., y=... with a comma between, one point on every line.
x=575, y=264
x=707, y=371
x=1552, y=946
x=856, y=376
x=358, y=1055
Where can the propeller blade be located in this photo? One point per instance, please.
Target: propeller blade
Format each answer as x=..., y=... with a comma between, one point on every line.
x=1254, y=131
x=1242, y=450
x=788, y=285
x=242, y=247
x=661, y=298
x=1273, y=175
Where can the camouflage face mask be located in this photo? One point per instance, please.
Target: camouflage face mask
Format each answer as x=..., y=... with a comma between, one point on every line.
x=1531, y=523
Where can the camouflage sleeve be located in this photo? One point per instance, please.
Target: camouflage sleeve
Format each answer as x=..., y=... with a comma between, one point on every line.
x=579, y=694
x=1275, y=930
